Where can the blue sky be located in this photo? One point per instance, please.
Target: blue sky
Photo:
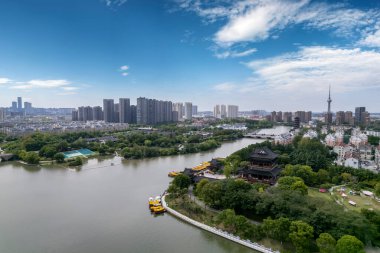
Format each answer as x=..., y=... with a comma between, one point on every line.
x=258, y=54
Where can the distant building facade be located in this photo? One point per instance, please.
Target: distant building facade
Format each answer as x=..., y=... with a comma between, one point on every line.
x=108, y=110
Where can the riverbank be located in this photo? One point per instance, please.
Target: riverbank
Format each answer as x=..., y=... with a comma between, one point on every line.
x=131, y=144
x=216, y=231
x=190, y=208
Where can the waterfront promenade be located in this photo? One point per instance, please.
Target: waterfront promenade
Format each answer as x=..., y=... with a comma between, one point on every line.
x=247, y=243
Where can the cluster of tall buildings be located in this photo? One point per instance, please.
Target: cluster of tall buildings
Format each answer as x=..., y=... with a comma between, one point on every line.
x=146, y=111
x=361, y=117
x=287, y=117
x=223, y=111
x=18, y=108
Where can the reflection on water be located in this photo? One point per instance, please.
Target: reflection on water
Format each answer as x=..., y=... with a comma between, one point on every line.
x=101, y=208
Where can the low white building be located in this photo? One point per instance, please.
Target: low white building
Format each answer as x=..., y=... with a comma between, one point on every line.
x=283, y=139
x=351, y=162
x=377, y=155
x=310, y=134
x=365, y=152
x=330, y=140
x=343, y=151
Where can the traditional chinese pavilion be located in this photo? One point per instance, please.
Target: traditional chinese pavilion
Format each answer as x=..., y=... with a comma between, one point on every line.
x=263, y=167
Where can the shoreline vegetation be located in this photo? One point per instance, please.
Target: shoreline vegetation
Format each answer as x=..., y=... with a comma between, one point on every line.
x=293, y=215
x=133, y=143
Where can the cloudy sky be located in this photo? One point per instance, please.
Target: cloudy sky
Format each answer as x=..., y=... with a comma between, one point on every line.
x=258, y=54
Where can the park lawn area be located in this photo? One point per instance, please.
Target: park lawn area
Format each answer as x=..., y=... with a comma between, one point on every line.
x=361, y=201
x=314, y=193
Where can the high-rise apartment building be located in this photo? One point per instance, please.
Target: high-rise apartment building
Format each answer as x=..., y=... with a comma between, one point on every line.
x=195, y=109
x=348, y=118
x=81, y=113
x=366, y=118
x=108, y=110
x=359, y=115
x=14, y=106
x=340, y=118
x=19, y=103
x=2, y=114
x=188, y=110
x=178, y=107
x=279, y=116
x=232, y=111
x=217, y=111
x=116, y=115
x=74, y=115
x=273, y=116
x=301, y=115
x=152, y=111
x=133, y=114
x=88, y=114
x=125, y=110
x=97, y=113
x=287, y=117
x=27, y=108
x=220, y=111
x=308, y=116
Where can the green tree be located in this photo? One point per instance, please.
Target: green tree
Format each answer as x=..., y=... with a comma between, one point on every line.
x=299, y=186
x=301, y=234
x=377, y=189
x=326, y=243
x=212, y=193
x=76, y=162
x=277, y=229
x=30, y=157
x=292, y=183
x=349, y=244
x=182, y=181
x=199, y=186
x=59, y=157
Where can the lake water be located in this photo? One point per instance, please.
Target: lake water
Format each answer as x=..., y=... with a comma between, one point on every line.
x=101, y=208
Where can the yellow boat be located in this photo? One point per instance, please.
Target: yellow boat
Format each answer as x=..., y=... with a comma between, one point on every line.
x=159, y=209
x=173, y=173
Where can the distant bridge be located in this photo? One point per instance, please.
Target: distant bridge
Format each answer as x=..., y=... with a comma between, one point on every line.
x=6, y=157
x=261, y=136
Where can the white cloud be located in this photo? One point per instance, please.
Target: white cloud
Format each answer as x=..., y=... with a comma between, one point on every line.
x=256, y=20
x=312, y=69
x=43, y=84
x=4, y=80
x=111, y=3
x=70, y=88
x=225, y=87
x=371, y=40
x=234, y=54
x=124, y=68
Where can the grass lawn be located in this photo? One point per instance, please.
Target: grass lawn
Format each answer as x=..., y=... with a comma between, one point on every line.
x=314, y=193
x=361, y=201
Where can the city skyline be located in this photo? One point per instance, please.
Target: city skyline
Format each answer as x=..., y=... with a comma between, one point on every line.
x=248, y=53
